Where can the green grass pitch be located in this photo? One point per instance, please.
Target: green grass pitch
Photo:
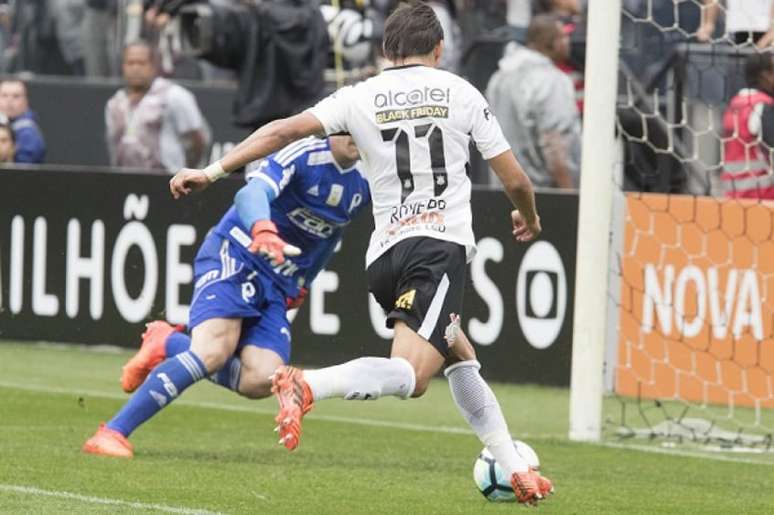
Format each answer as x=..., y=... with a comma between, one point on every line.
x=214, y=452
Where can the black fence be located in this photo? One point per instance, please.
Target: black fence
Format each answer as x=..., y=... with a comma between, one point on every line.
x=87, y=257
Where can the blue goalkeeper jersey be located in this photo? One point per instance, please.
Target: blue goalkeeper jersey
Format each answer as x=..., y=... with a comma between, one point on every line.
x=315, y=200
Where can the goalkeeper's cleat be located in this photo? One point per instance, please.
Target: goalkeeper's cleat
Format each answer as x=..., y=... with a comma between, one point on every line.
x=107, y=442
x=152, y=352
x=295, y=401
x=526, y=486
x=545, y=485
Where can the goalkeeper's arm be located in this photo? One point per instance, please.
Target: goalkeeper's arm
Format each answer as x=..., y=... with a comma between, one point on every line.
x=252, y=204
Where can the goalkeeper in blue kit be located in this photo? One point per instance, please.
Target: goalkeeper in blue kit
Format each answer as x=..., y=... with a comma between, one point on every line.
x=256, y=263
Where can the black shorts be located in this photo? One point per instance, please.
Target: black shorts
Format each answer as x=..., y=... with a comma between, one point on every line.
x=420, y=281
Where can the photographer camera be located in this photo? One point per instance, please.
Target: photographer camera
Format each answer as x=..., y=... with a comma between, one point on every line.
x=278, y=49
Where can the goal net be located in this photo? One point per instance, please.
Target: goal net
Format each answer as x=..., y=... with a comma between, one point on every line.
x=690, y=342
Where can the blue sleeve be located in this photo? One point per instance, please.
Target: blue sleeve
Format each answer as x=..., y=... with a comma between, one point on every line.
x=252, y=202
x=29, y=144
x=266, y=180
x=327, y=250
x=271, y=173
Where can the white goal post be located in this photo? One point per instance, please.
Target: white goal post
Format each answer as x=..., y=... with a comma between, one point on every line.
x=594, y=220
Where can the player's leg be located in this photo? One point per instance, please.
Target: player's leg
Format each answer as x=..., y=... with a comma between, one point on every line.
x=424, y=358
x=478, y=405
x=160, y=341
x=258, y=365
x=431, y=281
x=413, y=360
x=411, y=282
x=225, y=292
x=264, y=346
x=212, y=342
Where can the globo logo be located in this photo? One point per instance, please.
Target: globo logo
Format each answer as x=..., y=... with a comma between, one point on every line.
x=541, y=294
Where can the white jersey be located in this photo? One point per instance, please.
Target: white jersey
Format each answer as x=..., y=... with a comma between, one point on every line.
x=413, y=125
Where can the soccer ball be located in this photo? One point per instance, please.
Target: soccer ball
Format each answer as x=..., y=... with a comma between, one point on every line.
x=492, y=481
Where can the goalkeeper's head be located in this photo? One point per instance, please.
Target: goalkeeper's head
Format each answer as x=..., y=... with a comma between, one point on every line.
x=413, y=34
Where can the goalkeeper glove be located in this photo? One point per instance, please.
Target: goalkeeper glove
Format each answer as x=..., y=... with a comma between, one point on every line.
x=267, y=242
x=297, y=301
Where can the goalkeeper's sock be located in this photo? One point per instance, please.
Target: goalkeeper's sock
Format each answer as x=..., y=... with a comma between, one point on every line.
x=227, y=377
x=479, y=406
x=363, y=379
x=177, y=343
x=164, y=383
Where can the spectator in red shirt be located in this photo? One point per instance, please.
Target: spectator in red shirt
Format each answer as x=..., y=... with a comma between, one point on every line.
x=748, y=126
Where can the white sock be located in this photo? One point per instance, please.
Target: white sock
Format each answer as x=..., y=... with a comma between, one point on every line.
x=363, y=379
x=479, y=406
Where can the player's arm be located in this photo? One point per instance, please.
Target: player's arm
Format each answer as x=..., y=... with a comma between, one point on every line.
x=518, y=187
x=269, y=138
x=493, y=146
x=709, y=18
x=252, y=204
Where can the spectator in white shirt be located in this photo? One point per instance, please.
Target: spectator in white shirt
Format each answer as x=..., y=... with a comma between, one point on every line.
x=153, y=123
x=747, y=21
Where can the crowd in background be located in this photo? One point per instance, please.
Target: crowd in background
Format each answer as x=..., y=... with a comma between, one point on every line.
x=526, y=55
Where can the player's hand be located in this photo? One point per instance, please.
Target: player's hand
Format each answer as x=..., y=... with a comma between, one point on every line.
x=524, y=230
x=297, y=301
x=188, y=180
x=266, y=242
x=458, y=342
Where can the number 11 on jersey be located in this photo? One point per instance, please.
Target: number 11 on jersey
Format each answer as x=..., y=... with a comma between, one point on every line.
x=403, y=157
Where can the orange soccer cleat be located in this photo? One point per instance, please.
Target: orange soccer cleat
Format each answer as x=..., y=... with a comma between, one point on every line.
x=295, y=401
x=107, y=442
x=152, y=352
x=528, y=486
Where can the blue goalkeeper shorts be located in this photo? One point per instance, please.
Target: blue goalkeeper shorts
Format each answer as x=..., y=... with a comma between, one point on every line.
x=225, y=286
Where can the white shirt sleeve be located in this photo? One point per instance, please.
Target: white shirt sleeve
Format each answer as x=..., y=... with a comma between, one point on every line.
x=486, y=132
x=186, y=116
x=332, y=111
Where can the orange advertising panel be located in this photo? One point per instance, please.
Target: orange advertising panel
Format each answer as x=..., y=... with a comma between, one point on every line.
x=697, y=300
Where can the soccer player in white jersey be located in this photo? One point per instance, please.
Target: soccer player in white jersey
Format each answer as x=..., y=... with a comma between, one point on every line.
x=412, y=124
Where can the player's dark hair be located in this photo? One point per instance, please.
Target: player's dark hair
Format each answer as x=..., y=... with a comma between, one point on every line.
x=411, y=30
x=542, y=30
x=756, y=65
